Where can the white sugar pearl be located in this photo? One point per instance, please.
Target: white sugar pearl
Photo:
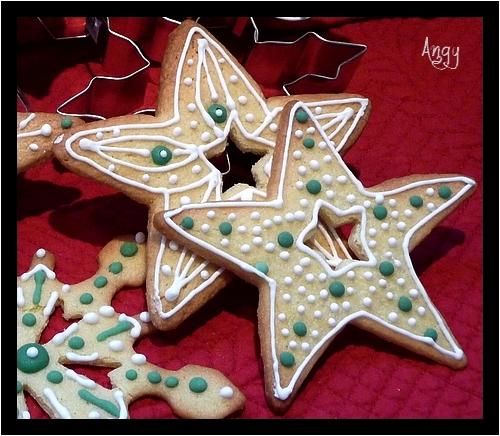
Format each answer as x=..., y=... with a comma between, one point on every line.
x=372, y=243
x=282, y=317
x=277, y=219
x=292, y=345
x=412, y=322
x=190, y=62
x=287, y=280
x=40, y=253
x=32, y=352
x=351, y=198
x=255, y=215
x=368, y=275
x=211, y=214
x=310, y=130
x=241, y=229
x=269, y=247
x=389, y=295
x=393, y=317
x=421, y=311
x=351, y=274
x=372, y=288
x=205, y=136
x=243, y=100
x=327, y=158
x=311, y=298
x=314, y=164
x=334, y=307
x=285, y=332
x=379, y=198
x=301, y=289
x=297, y=154
x=256, y=230
x=299, y=215
x=140, y=237
x=382, y=282
x=298, y=270
x=408, y=213
x=33, y=147
x=384, y=226
x=392, y=242
x=327, y=179
x=226, y=392
x=400, y=281
x=317, y=314
x=188, y=81
x=323, y=294
x=305, y=261
x=315, y=333
x=372, y=232
x=401, y=226
x=111, y=167
x=392, y=202
x=367, y=301
x=273, y=127
x=284, y=255
x=177, y=131
x=330, y=194
x=429, y=191
x=302, y=170
x=191, y=107
x=185, y=200
x=267, y=223
x=394, y=214
x=331, y=322
x=342, y=179
x=205, y=228
x=204, y=274
x=350, y=290
x=289, y=217
x=299, y=184
x=304, y=202
x=309, y=278
x=413, y=293
x=245, y=248
x=366, y=204
x=346, y=305
x=257, y=241
x=301, y=309
x=431, y=206
x=173, y=179
x=322, y=277
x=233, y=78
x=287, y=297
x=305, y=346
x=322, y=145
x=299, y=133
x=250, y=118
x=196, y=169
x=166, y=269
x=318, y=110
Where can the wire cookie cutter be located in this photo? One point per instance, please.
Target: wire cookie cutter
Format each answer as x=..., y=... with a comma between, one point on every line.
x=326, y=75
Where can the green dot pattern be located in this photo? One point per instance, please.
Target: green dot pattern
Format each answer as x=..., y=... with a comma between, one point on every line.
x=287, y=359
x=115, y=267
x=263, y=267
x=300, y=328
x=100, y=282
x=380, y=212
x=171, y=382
x=225, y=228
x=313, y=187
x=404, y=304
x=431, y=333
x=128, y=249
x=131, y=374
x=337, y=289
x=218, y=113
x=285, y=239
x=308, y=143
x=154, y=377
x=198, y=384
x=55, y=377
x=161, y=155
x=86, y=298
x=76, y=343
x=386, y=268
x=301, y=116
x=29, y=319
x=187, y=222
x=444, y=192
x=416, y=201
x=66, y=122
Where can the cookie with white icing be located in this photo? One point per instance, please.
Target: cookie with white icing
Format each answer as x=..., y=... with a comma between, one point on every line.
x=205, y=97
x=304, y=300
x=102, y=338
x=36, y=133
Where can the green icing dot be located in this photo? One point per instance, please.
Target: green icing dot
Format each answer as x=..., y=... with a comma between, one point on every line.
x=404, y=304
x=337, y=289
x=416, y=201
x=431, y=333
x=262, y=267
x=115, y=267
x=128, y=249
x=19, y=386
x=444, y=192
x=66, y=122
x=313, y=187
x=198, y=385
x=300, y=328
x=218, y=113
x=131, y=374
x=386, y=268
x=100, y=282
x=380, y=212
x=187, y=222
x=285, y=239
x=29, y=319
x=171, y=382
x=225, y=228
x=301, y=116
x=55, y=377
x=287, y=359
x=29, y=364
x=86, y=298
x=154, y=377
x=76, y=342
x=308, y=143
x=161, y=155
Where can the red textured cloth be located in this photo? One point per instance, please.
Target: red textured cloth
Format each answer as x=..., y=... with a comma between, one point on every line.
x=423, y=120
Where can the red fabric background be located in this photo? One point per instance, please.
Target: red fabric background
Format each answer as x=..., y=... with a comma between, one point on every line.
x=423, y=121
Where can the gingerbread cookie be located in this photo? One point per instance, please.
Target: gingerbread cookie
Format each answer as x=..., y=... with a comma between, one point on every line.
x=205, y=97
x=36, y=134
x=102, y=338
x=304, y=300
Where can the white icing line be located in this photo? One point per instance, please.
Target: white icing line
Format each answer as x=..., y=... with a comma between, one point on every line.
x=20, y=297
x=40, y=267
x=56, y=405
x=118, y=396
x=82, y=357
x=49, y=308
x=59, y=338
x=80, y=379
x=25, y=122
x=135, y=332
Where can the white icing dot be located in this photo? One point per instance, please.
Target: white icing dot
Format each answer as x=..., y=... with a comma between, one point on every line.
x=285, y=332
x=145, y=317
x=91, y=318
x=116, y=132
x=166, y=270
x=317, y=314
x=267, y=223
x=367, y=301
x=315, y=333
x=46, y=130
x=173, y=245
x=173, y=179
x=99, y=135
x=287, y=297
x=372, y=232
x=40, y=252
x=350, y=290
x=107, y=311
x=421, y=311
x=327, y=158
x=330, y=194
x=394, y=214
x=322, y=145
x=211, y=214
x=382, y=282
x=322, y=277
x=318, y=110
x=233, y=78
x=226, y=392
x=392, y=202
x=389, y=295
x=429, y=191
x=379, y=198
x=304, y=202
x=289, y=217
x=302, y=289
x=368, y=275
x=392, y=242
x=193, y=124
x=305, y=346
x=205, y=136
x=372, y=288
x=277, y=219
x=250, y=118
x=400, y=281
x=384, y=226
x=408, y=213
x=116, y=345
x=413, y=293
x=205, y=228
x=273, y=127
x=314, y=164
x=111, y=167
x=138, y=359
x=305, y=261
x=309, y=277
x=145, y=177
x=297, y=154
x=190, y=62
x=302, y=170
x=311, y=298
x=65, y=288
x=327, y=179
x=287, y=281
x=331, y=322
x=224, y=242
x=188, y=81
x=196, y=169
x=282, y=317
x=221, y=60
x=241, y=229
x=297, y=269
x=351, y=274
x=32, y=352
x=310, y=130
x=257, y=230
x=245, y=248
x=342, y=179
x=299, y=133
x=292, y=345
x=323, y=294
x=257, y=241
x=243, y=100
x=255, y=215
x=185, y=200
x=334, y=307
x=351, y=198
x=401, y=226
x=269, y=247
x=346, y=305
x=33, y=147
x=431, y=206
x=412, y=322
x=204, y=274
x=301, y=309
x=393, y=317
x=388, y=254
x=284, y=255
x=367, y=204
x=372, y=243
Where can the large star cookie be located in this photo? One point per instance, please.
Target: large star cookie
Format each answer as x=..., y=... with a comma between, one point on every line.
x=304, y=300
x=102, y=338
x=205, y=97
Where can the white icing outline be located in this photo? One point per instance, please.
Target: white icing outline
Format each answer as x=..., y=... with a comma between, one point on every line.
x=56, y=405
x=51, y=275
x=82, y=357
x=80, y=379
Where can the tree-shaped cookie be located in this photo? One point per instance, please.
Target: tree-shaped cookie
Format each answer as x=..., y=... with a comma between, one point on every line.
x=102, y=338
x=304, y=300
x=36, y=133
x=205, y=97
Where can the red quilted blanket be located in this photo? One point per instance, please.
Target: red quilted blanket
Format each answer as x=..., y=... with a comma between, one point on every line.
x=426, y=118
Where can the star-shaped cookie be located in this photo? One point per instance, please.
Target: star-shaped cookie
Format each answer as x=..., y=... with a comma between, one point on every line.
x=304, y=301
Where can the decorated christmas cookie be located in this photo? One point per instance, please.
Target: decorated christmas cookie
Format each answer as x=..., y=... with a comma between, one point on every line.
x=304, y=299
x=205, y=97
x=36, y=134
x=102, y=338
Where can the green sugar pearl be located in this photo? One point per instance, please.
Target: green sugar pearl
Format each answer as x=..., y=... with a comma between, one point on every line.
x=380, y=212
x=100, y=282
x=187, y=222
x=308, y=143
x=128, y=249
x=285, y=239
x=225, y=228
x=115, y=267
x=29, y=319
x=263, y=267
x=431, y=333
x=86, y=298
x=300, y=328
x=66, y=122
x=404, y=304
x=313, y=187
x=416, y=201
x=154, y=377
x=444, y=192
x=198, y=385
x=301, y=116
x=287, y=359
x=386, y=268
x=131, y=374
x=337, y=289
x=171, y=382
